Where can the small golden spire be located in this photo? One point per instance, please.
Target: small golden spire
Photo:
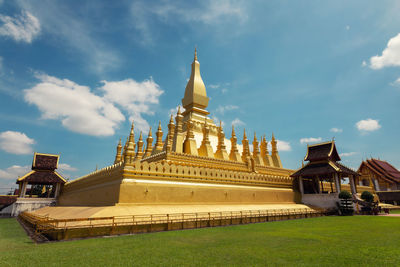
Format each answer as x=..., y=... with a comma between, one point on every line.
x=234, y=153
x=195, y=53
x=159, y=143
x=139, y=152
x=130, y=150
x=221, y=148
x=246, y=149
x=118, y=156
x=274, y=145
x=149, y=146
x=170, y=135
x=179, y=110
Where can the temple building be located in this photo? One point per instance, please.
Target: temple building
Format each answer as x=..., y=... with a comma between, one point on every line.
x=190, y=171
x=383, y=177
x=379, y=174
x=320, y=180
x=38, y=188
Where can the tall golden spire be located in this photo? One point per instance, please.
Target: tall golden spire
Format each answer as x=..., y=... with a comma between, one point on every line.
x=205, y=149
x=177, y=144
x=246, y=149
x=195, y=99
x=256, y=151
x=221, y=148
x=264, y=151
x=170, y=135
x=149, y=146
x=159, y=143
x=139, y=153
x=276, y=159
x=118, y=155
x=190, y=146
x=130, y=150
x=234, y=153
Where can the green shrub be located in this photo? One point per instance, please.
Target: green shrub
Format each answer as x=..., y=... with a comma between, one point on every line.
x=367, y=196
x=344, y=195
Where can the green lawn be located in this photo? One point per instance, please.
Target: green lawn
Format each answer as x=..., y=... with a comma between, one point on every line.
x=334, y=241
x=394, y=211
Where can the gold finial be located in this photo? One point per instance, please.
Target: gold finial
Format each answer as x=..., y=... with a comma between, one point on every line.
x=119, y=143
x=179, y=110
x=159, y=126
x=149, y=132
x=233, y=131
x=244, y=134
x=171, y=120
x=132, y=127
x=140, y=136
x=255, y=137
x=195, y=53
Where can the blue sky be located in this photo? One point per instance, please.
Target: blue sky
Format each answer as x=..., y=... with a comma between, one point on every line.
x=74, y=73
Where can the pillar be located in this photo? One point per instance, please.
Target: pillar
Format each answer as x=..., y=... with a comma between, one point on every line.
x=23, y=190
x=337, y=183
x=376, y=183
x=58, y=185
x=301, y=186
x=352, y=185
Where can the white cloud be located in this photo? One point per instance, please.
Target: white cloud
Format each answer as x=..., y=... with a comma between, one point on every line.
x=310, y=140
x=390, y=55
x=75, y=105
x=16, y=143
x=174, y=111
x=13, y=172
x=1, y=66
x=283, y=145
x=223, y=109
x=348, y=154
x=368, y=125
x=66, y=167
x=219, y=86
x=23, y=28
x=336, y=130
x=216, y=121
x=68, y=28
x=238, y=122
x=210, y=12
x=347, y=27
x=135, y=97
x=395, y=83
x=214, y=86
x=82, y=111
x=364, y=63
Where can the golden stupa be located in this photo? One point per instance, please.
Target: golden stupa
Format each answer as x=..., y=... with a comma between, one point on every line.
x=179, y=174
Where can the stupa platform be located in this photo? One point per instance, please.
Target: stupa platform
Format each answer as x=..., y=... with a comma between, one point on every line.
x=67, y=222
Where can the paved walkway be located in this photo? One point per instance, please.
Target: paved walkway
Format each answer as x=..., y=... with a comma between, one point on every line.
x=390, y=215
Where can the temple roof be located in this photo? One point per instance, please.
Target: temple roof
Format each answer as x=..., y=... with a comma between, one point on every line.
x=45, y=161
x=43, y=170
x=324, y=168
x=322, y=151
x=42, y=177
x=383, y=169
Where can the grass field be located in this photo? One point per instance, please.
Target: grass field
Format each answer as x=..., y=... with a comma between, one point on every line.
x=327, y=241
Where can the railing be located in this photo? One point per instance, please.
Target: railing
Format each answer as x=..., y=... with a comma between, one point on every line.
x=44, y=224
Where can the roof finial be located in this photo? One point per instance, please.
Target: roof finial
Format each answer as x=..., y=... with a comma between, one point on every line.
x=195, y=53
